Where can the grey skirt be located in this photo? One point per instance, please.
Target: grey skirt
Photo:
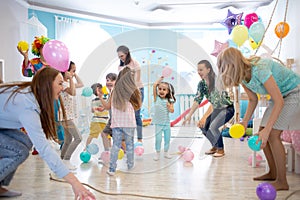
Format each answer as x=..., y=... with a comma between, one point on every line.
x=289, y=118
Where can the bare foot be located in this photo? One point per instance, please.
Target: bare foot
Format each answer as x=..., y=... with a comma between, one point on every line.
x=265, y=177
x=280, y=185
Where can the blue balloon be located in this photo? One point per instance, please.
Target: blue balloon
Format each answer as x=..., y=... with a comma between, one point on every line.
x=87, y=92
x=92, y=148
x=252, y=143
x=256, y=31
x=137, y=144
x=85, y=156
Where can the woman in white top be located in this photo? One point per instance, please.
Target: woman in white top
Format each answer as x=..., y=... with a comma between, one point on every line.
x=126, y=60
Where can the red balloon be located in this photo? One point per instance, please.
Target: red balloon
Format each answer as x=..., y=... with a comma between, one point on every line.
x=56, y=55
x=250, y=19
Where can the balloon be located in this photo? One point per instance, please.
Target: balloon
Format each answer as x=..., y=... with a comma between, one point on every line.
x=250, y=19
x=105, y=156
x=56, y=54
x=236, y=131
x=120, y=154
x=85, y=156
x=232, y=20
x=219, y=46
x=265, y=191
x=92, y=148
x=138, y=144
x=181, y=148
x=167, y=71
x=258, y=159
x=252, y=143
x=239, y=34
x=253, y=44
x=188, y=155
x=256, y=31
x=87, y=92
x=139, y=150
x=282, y=29
x=23, y=45
x=104, y=90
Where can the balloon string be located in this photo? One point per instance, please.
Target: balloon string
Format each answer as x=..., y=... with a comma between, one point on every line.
x=118, y=194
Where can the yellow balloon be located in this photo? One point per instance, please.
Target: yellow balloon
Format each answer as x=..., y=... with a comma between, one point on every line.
x=120, y=154
x=253, y=44
x=104, y=90
x=239, y=34
x=23, y=45
x=236, y=131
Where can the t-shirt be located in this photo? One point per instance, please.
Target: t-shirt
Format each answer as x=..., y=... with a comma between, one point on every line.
x=161, y=112
x=69, y=103
x=99, y=116
x=285, y=78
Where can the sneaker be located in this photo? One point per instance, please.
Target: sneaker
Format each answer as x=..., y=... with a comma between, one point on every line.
x=156, y=156
x=167, y=155
x=219, y=153
x=10, y=193
x=69, y=165
x=110, y=173
x=211, y=151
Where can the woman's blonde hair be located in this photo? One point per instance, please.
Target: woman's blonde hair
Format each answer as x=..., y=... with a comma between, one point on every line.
x=126, y=90
x=41, y=87
x=233, y=67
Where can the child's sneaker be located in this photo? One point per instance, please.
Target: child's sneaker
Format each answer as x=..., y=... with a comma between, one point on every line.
x=156, y=156
x=110, y=173
x=167, y=155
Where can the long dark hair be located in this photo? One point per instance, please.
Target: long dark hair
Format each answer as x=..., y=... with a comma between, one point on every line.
x=211, y=75
x=126, y=51
x=41, y=87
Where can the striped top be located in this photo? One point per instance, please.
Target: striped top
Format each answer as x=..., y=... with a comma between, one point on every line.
x=99, y=116
x=161, y=112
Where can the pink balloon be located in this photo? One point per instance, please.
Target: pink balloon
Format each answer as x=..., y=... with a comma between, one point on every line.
x=250, y=19
x=188, y=156
x=258, y=159
x=181, y=148
x=56, y=55
x=219, y=46
x=105, y=156
x=139, y=150
x=167, y=71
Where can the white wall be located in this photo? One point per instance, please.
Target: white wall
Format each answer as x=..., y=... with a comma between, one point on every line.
x=12, y=13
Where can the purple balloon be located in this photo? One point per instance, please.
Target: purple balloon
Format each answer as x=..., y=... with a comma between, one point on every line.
x=56, y=55
x=265, y=191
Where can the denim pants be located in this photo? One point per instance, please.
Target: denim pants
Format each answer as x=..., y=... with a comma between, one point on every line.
x=117, y=135
x=213, y=122
x=138, y=118
x=14, y=150
x=159, y=130
x=71, y=141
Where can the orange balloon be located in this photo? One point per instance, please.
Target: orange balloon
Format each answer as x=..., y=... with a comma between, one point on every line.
x=282, y=29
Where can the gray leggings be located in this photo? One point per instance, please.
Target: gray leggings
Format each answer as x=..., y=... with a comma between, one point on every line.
x=71, y=141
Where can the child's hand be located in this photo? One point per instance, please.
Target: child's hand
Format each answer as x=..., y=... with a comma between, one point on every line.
x=170, y=107
x=68, y=75
x=159, y=80
x=100, y=108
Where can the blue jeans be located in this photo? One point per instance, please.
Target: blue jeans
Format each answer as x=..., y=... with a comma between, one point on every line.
x=213, y=122
x=159, y=130
x=14, y=150
x=117, y=135
x=139, y=123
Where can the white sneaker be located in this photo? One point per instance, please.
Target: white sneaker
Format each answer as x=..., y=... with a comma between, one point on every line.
x=110, y=173
x=69, y=165
x=167, y=155
x=156, y=156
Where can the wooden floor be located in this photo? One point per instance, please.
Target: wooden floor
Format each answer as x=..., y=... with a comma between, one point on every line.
x=204, y=178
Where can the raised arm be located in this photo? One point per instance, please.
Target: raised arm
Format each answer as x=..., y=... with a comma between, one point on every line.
x=79, y=83
x=71, y=90
x=155, y=86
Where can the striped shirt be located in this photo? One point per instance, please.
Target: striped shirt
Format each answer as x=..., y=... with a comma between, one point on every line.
x=161, y=112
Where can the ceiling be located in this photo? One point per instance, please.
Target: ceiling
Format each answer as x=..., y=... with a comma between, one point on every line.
x=153, y=12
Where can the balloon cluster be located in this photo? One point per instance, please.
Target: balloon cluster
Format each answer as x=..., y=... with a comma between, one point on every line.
x=250, y=28
x=187, y=154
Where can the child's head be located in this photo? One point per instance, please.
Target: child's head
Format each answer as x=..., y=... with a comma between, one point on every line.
x=206, y=71
x=110, y=80
x=166, y=90
x=232, y=66
x=96, y=86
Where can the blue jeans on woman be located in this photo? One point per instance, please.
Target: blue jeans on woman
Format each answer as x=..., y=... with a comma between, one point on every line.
x=138, y=118
x=14, y=150
x=214, y=121
x=117, y=135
